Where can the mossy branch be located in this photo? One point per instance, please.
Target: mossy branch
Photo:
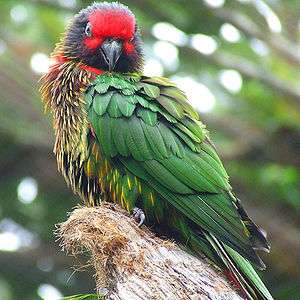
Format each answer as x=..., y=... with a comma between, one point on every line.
x=132, y=264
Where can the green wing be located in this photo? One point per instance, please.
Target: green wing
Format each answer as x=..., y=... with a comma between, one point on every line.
x=148, y=126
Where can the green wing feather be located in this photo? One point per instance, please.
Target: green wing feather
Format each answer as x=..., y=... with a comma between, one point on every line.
x=147, y=127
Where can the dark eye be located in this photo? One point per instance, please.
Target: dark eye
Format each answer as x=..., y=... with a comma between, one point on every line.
x=88, y=30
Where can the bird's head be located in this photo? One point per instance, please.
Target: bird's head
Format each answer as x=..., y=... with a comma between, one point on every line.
x=105, y=36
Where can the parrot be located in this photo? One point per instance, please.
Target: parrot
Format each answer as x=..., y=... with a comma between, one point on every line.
x=136, y=141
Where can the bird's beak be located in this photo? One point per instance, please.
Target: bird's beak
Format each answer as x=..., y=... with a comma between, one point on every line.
x=111, y=51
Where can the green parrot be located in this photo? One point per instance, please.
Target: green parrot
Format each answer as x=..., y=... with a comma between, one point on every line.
x=136, y=141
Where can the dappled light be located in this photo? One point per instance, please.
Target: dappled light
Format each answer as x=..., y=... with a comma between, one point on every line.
x=215, y=3
x=27, y=190
x=199, y=95
x=49, y=292
x=153, y=67
x=230, y=33
x=39, y=63
x=19, y=13
x=168, y=32
x=14, y=237
x=204, y=44
x=271, y=18
x=259, y=47
x=168, y=54
x=231, y=80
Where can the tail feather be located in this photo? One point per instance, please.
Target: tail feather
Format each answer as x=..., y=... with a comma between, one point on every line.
x=240, y=271
x=257, y=234
x=247, y=270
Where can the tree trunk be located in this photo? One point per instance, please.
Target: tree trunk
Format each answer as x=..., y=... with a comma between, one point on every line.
x=131, y=263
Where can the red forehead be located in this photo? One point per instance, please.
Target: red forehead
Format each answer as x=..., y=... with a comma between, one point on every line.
x=112, y=23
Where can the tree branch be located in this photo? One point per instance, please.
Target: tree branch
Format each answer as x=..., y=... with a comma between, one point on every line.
x=254, y=71
x=287, y=49
x=131, y=263
x=250, y=70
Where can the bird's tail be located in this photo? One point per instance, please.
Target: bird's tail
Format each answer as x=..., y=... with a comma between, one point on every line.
x=237, y=269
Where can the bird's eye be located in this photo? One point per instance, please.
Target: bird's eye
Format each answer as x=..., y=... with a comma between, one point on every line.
x=88, y=30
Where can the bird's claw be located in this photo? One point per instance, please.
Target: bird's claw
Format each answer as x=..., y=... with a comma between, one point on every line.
x=139, y=216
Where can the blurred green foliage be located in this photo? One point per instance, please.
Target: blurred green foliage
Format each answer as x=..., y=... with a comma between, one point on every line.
x=255, y=126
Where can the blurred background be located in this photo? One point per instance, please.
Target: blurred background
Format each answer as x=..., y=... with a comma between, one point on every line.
x=239, y=63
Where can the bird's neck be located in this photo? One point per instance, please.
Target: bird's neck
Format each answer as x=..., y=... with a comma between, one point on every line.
x=60, y=59
x=62, y=92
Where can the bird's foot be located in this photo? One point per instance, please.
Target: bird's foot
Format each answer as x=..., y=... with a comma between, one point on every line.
x=139, y=216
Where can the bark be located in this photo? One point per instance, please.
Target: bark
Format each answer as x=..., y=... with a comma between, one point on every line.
x=131, y=263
